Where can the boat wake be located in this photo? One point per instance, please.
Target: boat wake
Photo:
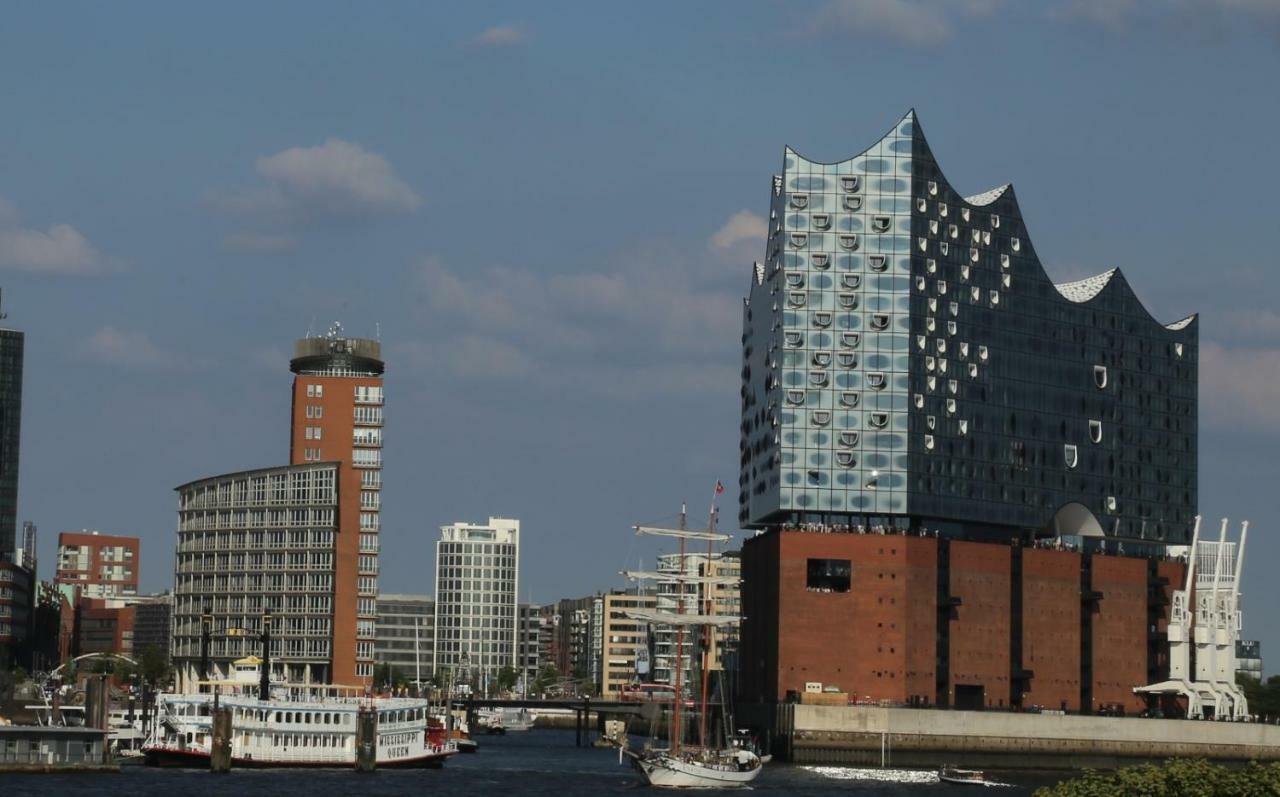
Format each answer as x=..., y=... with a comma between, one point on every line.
x=882, y=775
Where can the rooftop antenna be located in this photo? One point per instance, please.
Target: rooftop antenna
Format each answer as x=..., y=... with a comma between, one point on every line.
x=311, y=326
x=377, y=328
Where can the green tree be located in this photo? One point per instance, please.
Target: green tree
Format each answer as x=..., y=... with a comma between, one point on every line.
x=547, y=676
x=1177, y=777
x=153, y=665
x=506, y=679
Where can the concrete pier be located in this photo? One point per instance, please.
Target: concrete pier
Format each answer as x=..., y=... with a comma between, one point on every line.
x=868, y=736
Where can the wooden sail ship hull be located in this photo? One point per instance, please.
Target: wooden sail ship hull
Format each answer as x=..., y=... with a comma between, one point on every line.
x=663, y=769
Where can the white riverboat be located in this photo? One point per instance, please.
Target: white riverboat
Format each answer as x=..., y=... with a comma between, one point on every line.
x=301, y=725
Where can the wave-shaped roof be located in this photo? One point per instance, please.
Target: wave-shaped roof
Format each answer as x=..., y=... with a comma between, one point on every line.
x=1083, y=290
x=987, y=197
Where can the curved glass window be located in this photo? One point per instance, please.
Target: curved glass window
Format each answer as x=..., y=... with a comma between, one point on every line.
x=879, y=321
x=799, y=239
x=877, y=262
x=820, y=417
x=876, y=380
x=820, y=260
x=822, y=358
x=795, y=280
x=1070, y=455
x=849, y=399
x=850, y=340
x=879, y=419
x=795, y=396
x=822, y=319
x=850, y=281
x=846, y=459
x=850, y=183
x=794, y=339
x=852, y=203
x=800, y=201
x=881, y=223
x=849, y=242
x=848, y=300
x=797, y=299
x=848, y=439
x=821, y=221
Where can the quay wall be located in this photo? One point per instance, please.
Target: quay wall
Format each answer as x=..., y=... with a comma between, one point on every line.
x=924, y=737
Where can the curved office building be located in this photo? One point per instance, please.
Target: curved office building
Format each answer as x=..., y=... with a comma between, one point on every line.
x=908, y=361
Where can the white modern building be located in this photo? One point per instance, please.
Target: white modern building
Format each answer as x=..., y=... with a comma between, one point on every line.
x=476, y=613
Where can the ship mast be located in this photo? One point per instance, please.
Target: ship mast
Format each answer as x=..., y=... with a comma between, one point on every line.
x=708, y=609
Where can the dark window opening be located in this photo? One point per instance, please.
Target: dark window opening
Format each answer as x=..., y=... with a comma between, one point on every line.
x=829, y=575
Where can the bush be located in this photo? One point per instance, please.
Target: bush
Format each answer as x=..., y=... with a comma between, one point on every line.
x=1177, y=777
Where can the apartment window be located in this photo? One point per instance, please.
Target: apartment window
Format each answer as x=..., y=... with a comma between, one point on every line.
x=1095, y=431
x=1070, y=454
x=1100, y=376
x=828, y=575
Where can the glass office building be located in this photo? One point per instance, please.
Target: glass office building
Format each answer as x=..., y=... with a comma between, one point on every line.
x=908, y=361
x=11, y=348
x=477, y=581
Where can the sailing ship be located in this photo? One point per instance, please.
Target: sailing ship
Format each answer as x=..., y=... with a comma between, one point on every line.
x=704, y=764
x=292, y=725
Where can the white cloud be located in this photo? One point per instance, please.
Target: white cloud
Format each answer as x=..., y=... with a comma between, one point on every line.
x=336, y=179
x=652, y=323
x=501, y=36
x=911, y=21
x=1113, y=15
x=122, y=348
x=742, y=227
x=1239, y=388
x=259, y=243
x=61, y=249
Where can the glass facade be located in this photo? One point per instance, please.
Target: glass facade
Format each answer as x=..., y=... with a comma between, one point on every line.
x=477, y=580
x=11, y=347
x=907, y=360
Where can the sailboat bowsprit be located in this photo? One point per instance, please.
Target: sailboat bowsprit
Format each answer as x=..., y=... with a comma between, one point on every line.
x=705, y=765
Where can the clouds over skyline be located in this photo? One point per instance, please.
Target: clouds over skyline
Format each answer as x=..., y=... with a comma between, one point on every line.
x=914, y=22
x=128, y=349
x=647, y=323
x=501, y=36
x=334, y=182
x=61, y=249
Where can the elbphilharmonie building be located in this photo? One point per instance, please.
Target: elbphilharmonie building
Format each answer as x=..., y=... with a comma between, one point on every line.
x=907, y=360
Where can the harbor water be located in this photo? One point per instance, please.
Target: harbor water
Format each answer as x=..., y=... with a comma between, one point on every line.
x=539, y=762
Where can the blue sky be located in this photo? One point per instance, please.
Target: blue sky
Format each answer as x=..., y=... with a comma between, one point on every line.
x=549, y=213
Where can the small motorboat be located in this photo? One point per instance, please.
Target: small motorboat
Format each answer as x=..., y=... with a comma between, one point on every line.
x=963, y=777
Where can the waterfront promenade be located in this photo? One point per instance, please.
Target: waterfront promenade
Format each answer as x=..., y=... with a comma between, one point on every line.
x=927, y=737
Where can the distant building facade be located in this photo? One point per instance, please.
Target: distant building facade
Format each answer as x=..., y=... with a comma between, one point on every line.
x=968, y=479
x=307, y=532
x=406, y=634
x=529, y=640
x=100, y=565
x=477, y=581
x=17, y=571
x=254, y=542
x=624, y=653
x=338, y=417
x=908, y=362
x=152, y=623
